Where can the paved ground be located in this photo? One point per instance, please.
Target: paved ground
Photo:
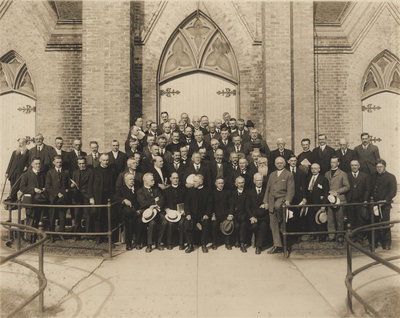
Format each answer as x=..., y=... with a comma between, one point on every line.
x=172, y=284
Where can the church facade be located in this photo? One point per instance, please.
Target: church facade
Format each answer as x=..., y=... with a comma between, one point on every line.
x=296, y=69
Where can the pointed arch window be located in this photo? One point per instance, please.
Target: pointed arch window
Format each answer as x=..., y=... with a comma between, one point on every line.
x=14, y=75
x=383, y=74
x=198, y=45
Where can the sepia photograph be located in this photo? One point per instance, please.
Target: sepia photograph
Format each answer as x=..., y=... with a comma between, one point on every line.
x=205, y=159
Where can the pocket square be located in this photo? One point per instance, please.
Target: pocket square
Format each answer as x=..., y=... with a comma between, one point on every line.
x=319, y=186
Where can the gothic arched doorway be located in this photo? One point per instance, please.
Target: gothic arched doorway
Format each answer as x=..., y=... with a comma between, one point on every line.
x=380, y=107
x=17, y=105
x=198, y=72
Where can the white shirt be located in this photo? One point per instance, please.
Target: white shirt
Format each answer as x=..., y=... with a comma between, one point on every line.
x=78, y=153
x=35, y=171
x=293, y=169
x=312, y=181
x=58, y=170
x=58, y=151
x=115, y=154
x=322, y=147
x=355, y=174
x=40, y=148
x=279, y=172
x=160, y=173
x=258, y=190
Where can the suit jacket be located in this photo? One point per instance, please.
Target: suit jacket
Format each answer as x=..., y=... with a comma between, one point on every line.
x=102, y=184
x=384, y=186
x=57, y=183
x=92, y=163
x=30, y=181
x=204, y=171
x=367, y=157
x=167, y=156
x=119, y=163
x=82, y=178
x=173, y=147
x=45, y=156
x=245, y=135
x=244, y=148
x=220, y=203
x=214, y=171
x=275, y=154
x=73, y=160
x=264, y=149
x=120, y=179
x=300, y=186
x=147, y=198
x=18, y=162
x=174, y=196
x=157, y=177
x=198, y=203
x=305, y=155
x=344, y=160
x=237, y=205
x=181, y=170
x=279, y=188
x=208, y=137
x=124, y=193
x=253, y=202
x=359, y=187
x=323, y=158
x=193, y=147
x=64, y=156
x=339, y=182
x=320, y=190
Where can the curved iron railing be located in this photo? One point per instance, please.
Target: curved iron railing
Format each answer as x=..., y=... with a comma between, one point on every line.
x=109, y=232
x=39, y=272
x=378, y=260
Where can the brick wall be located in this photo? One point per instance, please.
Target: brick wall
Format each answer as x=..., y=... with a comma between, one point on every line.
x=105, y=72
x=26, y=28
x=340, y=80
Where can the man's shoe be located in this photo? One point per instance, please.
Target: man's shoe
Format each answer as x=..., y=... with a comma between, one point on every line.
x=181, y=247
x=148, y=249
x=237, y=244
x=228, y=246
x=129, y=247
x=243, y=248
x=275, y=250
x=189, y=249
x=214, y=246
x=386, y=247
x=160, y=247
x=204, y=249
x=139, y=246
x=258, y=250
x=169, y=247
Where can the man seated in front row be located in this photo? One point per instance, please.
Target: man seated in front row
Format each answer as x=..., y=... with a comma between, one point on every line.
x=150, y=195
x=238, y=208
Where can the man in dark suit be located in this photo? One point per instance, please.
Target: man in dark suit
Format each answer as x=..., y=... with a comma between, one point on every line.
x=256, y=141
x=75, y=153
x=317, y=193
x=280, y=190
x=131, y=167
x=165, y=154
x=238, y=209
x=175, y=144
x=79, y=188
x=304, y=158
x=176, y=165
x=241, y=131
x=198, y=213
x=281, y=151
x=160, y=173
x=238, y=146
x=197, y=167
x=359, y=192
x=42, y=151
x=148, y=196
x=242, y=171
x=187, y=138
x=57, y=150
x=146, y=149
x=258, y=215
x=117, y=158
x=345, y=155
x=210, y=154
x=164, y=119
x=212, y=133
x=129, y=208
x=185, y=159
x=218, y=168
x=33, y=184
x=19, y=162
x=220, y=212
x=148, y=162
x=174, y=195
x=57, y=185
x=323, y=154
x=101, y=188
x=225, y=142
x=297, y=223
x=384, y=187
x=93, y=159
x=367, y=154
x=198, y=143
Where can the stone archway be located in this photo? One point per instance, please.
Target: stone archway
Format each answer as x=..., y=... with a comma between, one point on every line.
x=381, y=106
x=198, y=72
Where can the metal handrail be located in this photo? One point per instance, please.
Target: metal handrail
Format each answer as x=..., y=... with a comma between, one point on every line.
x=378, y=260
x=285, y=207
x=39, y=272
x=109, y=232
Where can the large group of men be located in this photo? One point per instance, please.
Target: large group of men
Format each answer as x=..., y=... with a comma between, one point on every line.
x=190, y=183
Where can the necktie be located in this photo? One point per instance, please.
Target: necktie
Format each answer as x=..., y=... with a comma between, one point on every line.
x=176, y=165
x=151, y=191
x=133, y=190
x=311, y=183
x=38, y=149
x=355, y=175
x=197, y=168
x=293, y=171
x=258, y=191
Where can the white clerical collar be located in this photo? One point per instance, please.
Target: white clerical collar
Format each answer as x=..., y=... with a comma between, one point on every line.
x=201, y=187
x=240, y=191
x=175, y=186
x=35, y=171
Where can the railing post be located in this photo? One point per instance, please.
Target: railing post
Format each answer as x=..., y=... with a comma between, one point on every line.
x=285, y=211
x=19, y=232
x=41, y=270
x=373, y=229
x=10, y=233
x=349, y=275
x=109, y=233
